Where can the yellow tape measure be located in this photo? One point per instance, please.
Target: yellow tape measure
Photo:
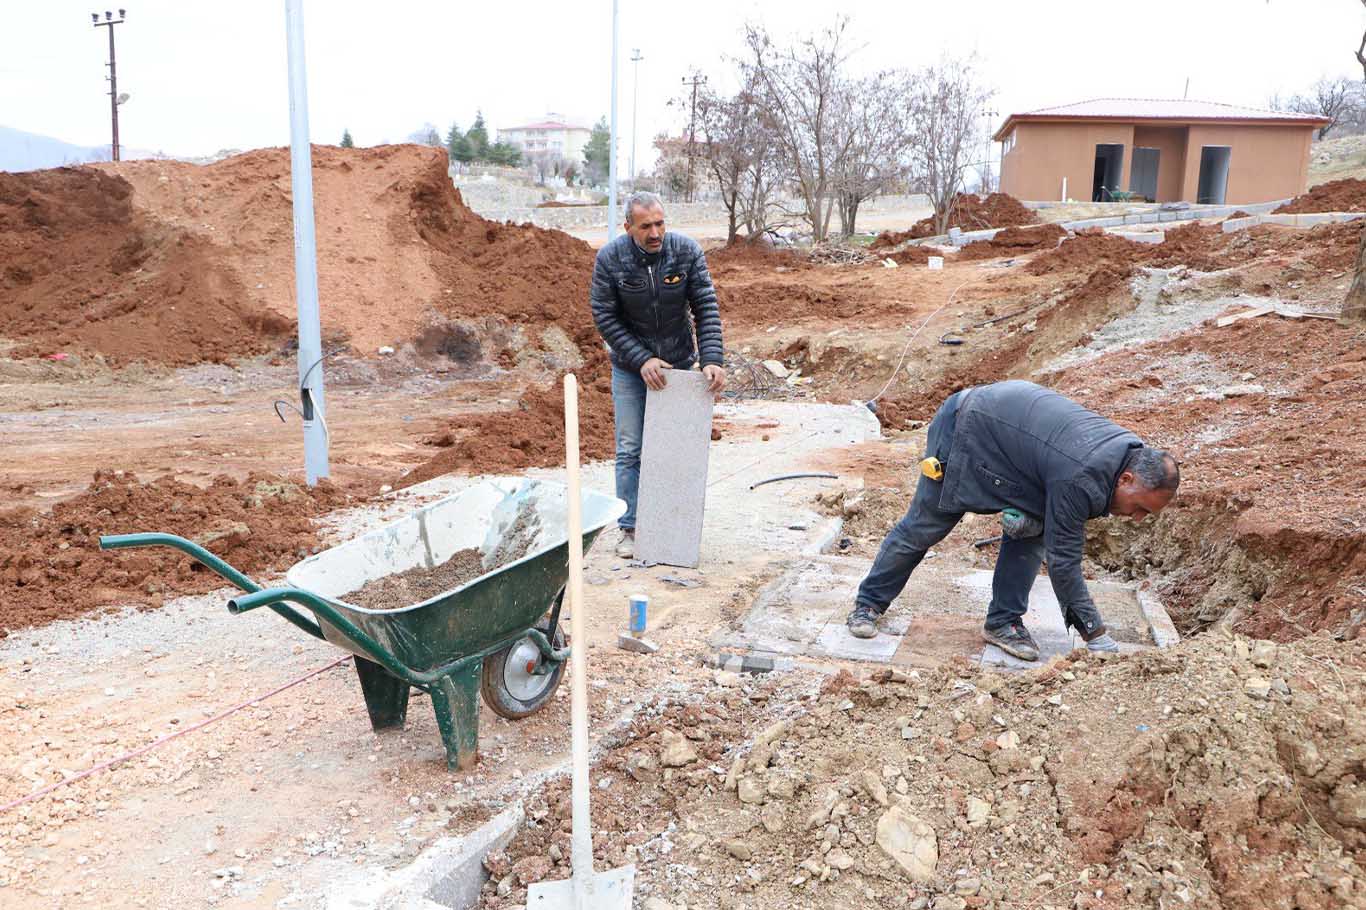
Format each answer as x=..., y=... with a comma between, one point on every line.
x=932, y=468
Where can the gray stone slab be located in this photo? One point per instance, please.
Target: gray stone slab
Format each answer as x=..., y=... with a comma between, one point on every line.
x=1160, y=625
x=1309, y=220
x=673, y=471
x=1287, y=220
x=1148, y=218
x=1240, y=224
x=1351, y=216
x=1141, y=236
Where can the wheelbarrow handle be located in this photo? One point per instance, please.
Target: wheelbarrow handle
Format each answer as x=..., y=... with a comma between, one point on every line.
x=201, y=555
x=271, y=597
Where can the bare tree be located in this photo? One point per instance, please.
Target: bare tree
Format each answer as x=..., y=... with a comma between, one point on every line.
x=1336, y=99
x=946, y=116
x=800, y=85
x=737, y=135
x=876, y=117
x=426, y=135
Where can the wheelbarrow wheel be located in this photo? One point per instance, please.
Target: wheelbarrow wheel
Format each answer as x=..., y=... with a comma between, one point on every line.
x=511, y=685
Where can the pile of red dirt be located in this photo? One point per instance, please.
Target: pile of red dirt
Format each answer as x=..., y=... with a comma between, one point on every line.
x=970, y=213
x=912, y=255
x=529, y=436
x=1347, y=195
x=1015, y=241
x=397, y=246
x=178, y=263
x=1089, y=248
x=1281, y=539
x=51, y=566
x=753, y=252
x=85, y=272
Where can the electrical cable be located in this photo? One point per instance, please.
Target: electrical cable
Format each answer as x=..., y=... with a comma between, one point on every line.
x=907, y=347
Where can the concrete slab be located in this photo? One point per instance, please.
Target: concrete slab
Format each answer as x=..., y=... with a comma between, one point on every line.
x=1241, y=224
x=1311, y=219
x=1287, y=220
x=673, y=471
x=1148, y=218
x=939, y=615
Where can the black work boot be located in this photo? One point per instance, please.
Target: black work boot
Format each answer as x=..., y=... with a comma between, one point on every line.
x=1014, y=639
x=862, y=622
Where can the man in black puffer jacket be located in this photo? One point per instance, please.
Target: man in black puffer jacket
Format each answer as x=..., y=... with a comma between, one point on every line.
x=651, y=293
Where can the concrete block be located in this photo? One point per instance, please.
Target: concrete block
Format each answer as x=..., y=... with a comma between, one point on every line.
x=673, y=471
x=628, y=642
x=1351, y=216
x=1240, y=224
x=1141, y=236
x=1148, y=218
x=448, y=875
x=1287, y=220
x=1309, y=220
x=1160, y=625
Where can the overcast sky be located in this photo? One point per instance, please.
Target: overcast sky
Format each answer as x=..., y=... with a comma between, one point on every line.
x=209, y=76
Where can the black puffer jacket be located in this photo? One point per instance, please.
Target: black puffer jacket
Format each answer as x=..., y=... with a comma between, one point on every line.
x=649, y=306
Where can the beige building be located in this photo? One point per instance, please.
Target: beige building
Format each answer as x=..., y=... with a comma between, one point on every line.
x=1161, y=151
x=554, y=134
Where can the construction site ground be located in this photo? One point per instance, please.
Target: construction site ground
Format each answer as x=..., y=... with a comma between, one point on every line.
x=1223, y=771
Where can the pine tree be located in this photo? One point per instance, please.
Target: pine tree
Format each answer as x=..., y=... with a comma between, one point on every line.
x=596, y=154
x=478, y=138
x=347, y=142
x=453, y=137
x=505, y=153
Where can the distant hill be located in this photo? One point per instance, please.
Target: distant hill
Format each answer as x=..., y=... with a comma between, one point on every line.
x=21, y=151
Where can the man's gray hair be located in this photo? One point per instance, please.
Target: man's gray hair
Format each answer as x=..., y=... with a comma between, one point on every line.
x=1154, y=468
x=641, y=199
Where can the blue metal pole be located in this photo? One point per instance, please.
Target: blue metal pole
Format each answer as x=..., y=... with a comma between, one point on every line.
x=312, y=403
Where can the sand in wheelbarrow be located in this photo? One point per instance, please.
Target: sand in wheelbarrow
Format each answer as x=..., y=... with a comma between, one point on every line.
x=403, y=589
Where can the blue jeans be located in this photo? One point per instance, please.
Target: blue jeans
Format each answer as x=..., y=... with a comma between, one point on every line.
x=628, y=410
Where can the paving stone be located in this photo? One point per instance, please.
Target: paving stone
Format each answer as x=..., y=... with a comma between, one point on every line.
x=673, y=471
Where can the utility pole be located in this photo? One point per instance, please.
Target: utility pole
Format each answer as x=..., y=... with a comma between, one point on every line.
x=986, y=168
x=635, y=100
x=314, y=408
x=612, y=142
x=114, y=99
x=692, y=127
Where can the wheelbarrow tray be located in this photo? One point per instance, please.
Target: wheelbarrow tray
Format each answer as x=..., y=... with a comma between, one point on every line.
x=499, y=605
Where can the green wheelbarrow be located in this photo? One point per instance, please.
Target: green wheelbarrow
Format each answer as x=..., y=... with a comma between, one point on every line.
x=497, y=634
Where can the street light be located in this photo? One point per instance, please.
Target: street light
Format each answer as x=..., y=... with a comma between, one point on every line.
x=986, y=167
x=115, y=99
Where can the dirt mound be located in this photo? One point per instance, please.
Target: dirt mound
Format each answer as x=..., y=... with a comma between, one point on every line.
x=84, y=271
x=754, y=252
x=1347, y=195
x=51, y=566
x=1283, y=548
x=179, y=263
x=912, y=255
x=1088, y=249
x=1015, y=241
x=1199, y=776
x=397, y=247
x=531, y=435
x=976, y=213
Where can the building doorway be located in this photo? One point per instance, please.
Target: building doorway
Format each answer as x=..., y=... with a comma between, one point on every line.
x=1143, y=173
x=1214, y=163
x=1109, y=165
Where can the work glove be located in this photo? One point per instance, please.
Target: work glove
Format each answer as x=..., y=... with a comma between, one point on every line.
x=1103, y=642
x=1019, y=526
